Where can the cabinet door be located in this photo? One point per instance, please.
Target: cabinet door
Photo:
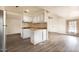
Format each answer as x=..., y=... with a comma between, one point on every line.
x=27, y=19
x=38, y=36
x=45, y=35
x=26, y=33
x=41, y=18
x=35, y=19
x=38, y=19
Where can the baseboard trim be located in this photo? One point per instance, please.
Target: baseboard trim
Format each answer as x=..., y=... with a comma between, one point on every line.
x=14, y=34
x=59, y=33
x=64, y=34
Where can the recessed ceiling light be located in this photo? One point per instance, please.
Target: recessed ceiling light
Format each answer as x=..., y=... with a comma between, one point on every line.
x=26, y=11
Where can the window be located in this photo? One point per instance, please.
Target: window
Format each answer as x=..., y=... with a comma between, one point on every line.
x=72, y=26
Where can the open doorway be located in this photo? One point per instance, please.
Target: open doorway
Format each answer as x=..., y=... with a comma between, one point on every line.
x=13, y=30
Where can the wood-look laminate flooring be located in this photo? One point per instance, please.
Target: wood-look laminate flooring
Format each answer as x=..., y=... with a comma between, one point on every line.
x=55, y=43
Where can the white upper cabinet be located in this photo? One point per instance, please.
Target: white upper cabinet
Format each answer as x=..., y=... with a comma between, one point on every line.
x=45, y=16
x=34, y=19
x=42, y=18
x=38, y=18
x=27, y=18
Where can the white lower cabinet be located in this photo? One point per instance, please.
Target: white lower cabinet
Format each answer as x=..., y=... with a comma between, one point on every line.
x=26, y=33
x=38, y=36
x=45, y=35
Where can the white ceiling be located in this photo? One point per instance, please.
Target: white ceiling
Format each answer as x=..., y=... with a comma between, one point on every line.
x=21, y=9
x=14, y=12
x=62, y=11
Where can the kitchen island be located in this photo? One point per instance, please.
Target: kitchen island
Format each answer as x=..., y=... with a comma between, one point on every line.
x=36, y=32
x=38, y=35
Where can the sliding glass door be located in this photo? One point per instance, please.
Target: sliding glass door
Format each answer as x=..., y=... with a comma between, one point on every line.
x=72, y=26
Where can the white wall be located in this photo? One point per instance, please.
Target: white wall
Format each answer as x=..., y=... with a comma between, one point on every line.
x=56, y=24
x=13, y=25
